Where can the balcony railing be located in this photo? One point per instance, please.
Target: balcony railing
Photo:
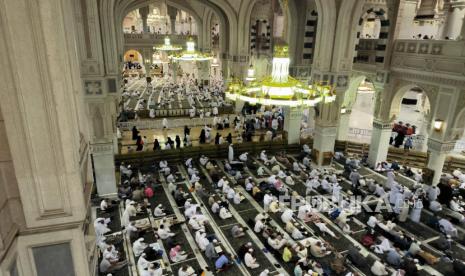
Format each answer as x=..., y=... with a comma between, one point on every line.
x=149, y=38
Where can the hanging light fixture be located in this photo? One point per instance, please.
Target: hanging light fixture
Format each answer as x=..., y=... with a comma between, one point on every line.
x=167, y=46
x=190, y=54
x=280, y=89
x=215, y=62
x=250, y=74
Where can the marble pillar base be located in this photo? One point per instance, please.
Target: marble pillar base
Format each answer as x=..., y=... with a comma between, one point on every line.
x=437, y=153
x=104, y=169
x=324, y=139
x=292, y=120
x=343, y=127
x=379, y=144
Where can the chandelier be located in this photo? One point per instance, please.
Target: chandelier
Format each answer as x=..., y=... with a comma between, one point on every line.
x=190, y=54
x=279, y=89
x=167, y=46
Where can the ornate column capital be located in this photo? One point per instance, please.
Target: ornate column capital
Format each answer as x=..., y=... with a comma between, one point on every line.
x=440, y=146
x=381, y=124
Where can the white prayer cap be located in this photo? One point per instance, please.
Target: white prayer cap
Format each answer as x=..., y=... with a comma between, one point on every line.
x=159, y=205
x=250, y=250
x=215, y=241
x=249, y=244
x=141, y=239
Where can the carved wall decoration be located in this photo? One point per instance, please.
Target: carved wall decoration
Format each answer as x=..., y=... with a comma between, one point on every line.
x=93, y=87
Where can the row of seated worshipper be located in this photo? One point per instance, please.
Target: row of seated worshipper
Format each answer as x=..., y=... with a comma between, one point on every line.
x=198, y=224
x=336, y=216
x=223, y=193
x=109, y=239
x=293, y=245
x=168, y=230
x=405, y=203
x=443, y=199
x=216, y=198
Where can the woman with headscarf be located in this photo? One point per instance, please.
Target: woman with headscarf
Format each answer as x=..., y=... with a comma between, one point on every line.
x=156, y=145
x=177, y=255
x=178, y=141
x=202, y=137
x=135, y=133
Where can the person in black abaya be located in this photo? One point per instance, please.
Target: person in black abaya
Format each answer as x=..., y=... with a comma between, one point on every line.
x=139, y=143
x=135, y=133
x=202, y=137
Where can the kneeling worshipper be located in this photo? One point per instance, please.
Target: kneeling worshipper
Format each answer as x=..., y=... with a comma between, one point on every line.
x=186, y=270
x=249, y=259
x=129, y=211
x=138, y=247
x=224, y=213
x=177, y=255
x=159, y=211
x=164, y=233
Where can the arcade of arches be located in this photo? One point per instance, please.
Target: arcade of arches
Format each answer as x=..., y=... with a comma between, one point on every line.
x=198, y=137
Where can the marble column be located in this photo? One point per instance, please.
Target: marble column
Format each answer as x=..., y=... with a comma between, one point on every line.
x=462, y=32
x=379, y=145
x=173, y=24
x=144, y=12
x=292, y=121
x=454, y=20
x=203, y=69
x=104, y=169
x=324, y=139
x=343, y=127
x=41, y=115
x=437, y=153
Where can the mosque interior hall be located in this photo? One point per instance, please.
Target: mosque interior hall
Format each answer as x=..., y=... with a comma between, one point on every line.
x=232, y=137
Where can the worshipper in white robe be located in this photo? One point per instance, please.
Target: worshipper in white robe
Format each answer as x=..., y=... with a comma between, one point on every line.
x=194, y=178
x=224, y=213
x=390, y=179
x=289, y=180
x=336, y=192
x=138, y=247
x=306, y=149
x=203, y=242
x=403, y=214
x=323, y=228
x=393, y=194
x=259, y=225
x=249, y=260
x=159, y=211
x=101, y=227
x=325, y=185
x=129, y=211
x=164, y=233
x=267, y=199
x=433, y=192
x=435, y=206
x=237, y=198
x=186, y=270
x=243, y=157
x=454, y=205
x=384, y=246
x=372, y=221
x=415, y=214
x=260, y=171
x=447, y=227
x=165, y=123
x=216, y=207
x=195, y=224
x=265, y=272
x=379, y=269
x=230, y=153
x=142, y=263
x=287, y=215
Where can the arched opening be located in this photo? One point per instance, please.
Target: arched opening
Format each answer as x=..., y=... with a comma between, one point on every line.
x=371, y=27
x=133, y=62
x=158, y=21
x=372, y=35
x=410, y=111
x=358, y=109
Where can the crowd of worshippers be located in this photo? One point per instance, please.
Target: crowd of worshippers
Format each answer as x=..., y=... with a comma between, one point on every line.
x=402, y=134
x=395, y=248
x=198, y=97
x=443, y=199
